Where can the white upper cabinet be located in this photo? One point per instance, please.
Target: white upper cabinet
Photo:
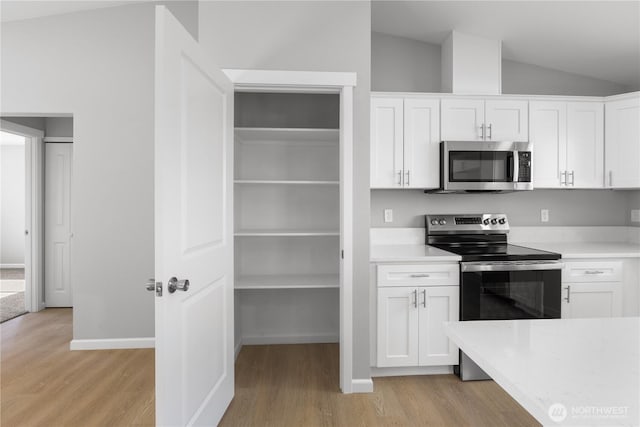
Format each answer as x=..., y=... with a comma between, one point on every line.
x=585, y=144
x=568, y=144
x=622, y=143
x=480, y=120
x=387, y=143
x=421, y=143
x=405, y=136
x=548, y=134
x=462, y=120
x=506, y=120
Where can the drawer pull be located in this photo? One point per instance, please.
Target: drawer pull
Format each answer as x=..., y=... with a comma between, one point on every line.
x=417, y=275
x=594, y=272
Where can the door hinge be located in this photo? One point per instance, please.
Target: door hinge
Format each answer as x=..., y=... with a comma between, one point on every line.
x=158, y=289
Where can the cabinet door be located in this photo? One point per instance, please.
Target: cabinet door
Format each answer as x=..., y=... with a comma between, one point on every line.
x=548, y=134
x=437, y=305
x=397, y=327
x=421, y=143
x=462, y=119
x=506, y=120
x=585, y=144
x=622, y=143
x=386, y=142
x=586, y=300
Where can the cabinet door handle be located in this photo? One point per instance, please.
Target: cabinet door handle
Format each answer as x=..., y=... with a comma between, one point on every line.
x=572, y=177
x=407, y=173
x=424, y=298
x=400, y=178
x=563, y=178
x=482, y=131
x=415, y=298
x=490, y=131
x=611, y=178
x=568, y=298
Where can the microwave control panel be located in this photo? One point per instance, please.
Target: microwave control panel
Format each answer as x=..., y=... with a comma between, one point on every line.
x=524, y=166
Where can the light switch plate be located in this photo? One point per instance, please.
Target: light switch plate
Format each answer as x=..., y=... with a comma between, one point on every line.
x=544, y=215
x=388, y=215
x=635, y=215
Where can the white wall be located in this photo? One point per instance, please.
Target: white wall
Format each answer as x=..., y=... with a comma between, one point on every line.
x=633, y=199
x=12, y=205
x=399, y=64
x=566, y=207
x=318, y=36
x=99, y=69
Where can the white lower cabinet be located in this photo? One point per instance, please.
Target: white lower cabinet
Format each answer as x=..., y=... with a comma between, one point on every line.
x=411, y=326
x=592, y=289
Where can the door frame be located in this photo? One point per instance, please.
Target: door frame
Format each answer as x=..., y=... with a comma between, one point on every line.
x=341, y=83
x=34, y=213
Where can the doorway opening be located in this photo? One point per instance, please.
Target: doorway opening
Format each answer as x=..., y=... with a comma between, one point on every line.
x=12, y=218
x=42, y=228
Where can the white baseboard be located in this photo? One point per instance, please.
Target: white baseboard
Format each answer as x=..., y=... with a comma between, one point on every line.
x=290, y=339
x=362, y=386
x=11, y=265
x=113, y=344
x=237, y=349
x=411, y=370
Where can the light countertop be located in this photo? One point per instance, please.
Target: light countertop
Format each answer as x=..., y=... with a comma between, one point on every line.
x=411, y=253
x=587, y=249
x=589, y=367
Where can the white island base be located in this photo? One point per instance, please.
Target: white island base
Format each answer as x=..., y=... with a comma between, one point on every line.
x=574, y=372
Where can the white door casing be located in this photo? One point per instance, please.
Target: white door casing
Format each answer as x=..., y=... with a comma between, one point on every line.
x=193, y=230
x=57, y=225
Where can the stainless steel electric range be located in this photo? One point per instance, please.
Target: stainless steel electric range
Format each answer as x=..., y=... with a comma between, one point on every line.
x=498, y=281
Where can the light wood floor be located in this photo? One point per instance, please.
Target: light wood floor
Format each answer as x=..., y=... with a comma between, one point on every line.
x=44, y=384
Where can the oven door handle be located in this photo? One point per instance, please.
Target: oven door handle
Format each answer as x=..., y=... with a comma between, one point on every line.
x=509, y=266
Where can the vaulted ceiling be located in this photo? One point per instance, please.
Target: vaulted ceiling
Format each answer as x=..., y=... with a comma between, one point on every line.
x=599, y=39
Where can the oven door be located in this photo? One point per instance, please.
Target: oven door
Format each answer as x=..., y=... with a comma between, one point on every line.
x=510, y=290
x=484, y=166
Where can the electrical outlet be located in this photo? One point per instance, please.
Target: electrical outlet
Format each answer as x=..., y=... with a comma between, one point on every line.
x=635, y=215
x=388, y=215
x=544, y=215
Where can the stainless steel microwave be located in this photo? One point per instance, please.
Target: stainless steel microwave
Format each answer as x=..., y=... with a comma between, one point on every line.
x=475, y=166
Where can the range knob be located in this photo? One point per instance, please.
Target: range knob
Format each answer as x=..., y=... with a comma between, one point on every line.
x=434, y=222
x=494, y=221
x=502, y=220
x=442, y=222
x=485, y=222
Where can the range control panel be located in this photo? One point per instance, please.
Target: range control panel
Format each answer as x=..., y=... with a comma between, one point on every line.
x=466, y=223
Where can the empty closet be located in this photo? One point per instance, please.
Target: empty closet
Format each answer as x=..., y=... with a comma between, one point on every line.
x=287, y=217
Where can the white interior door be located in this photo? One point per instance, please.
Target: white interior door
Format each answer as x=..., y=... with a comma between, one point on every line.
x=57, y=227
x=193, y=230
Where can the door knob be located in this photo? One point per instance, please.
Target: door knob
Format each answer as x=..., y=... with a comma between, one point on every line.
x=178, y=285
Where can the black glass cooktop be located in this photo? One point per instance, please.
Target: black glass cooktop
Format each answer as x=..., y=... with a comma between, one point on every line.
x=496, y=252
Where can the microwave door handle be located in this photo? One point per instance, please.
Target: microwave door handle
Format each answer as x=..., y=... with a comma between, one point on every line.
x=516, y=165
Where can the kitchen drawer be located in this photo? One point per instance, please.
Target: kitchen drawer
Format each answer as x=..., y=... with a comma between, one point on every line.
x=418, y=275
x=587, y=271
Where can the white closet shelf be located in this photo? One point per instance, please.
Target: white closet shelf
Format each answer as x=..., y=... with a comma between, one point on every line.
x=306, y=281
x=285, y=232
x=288, y=134
x=284, y=182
